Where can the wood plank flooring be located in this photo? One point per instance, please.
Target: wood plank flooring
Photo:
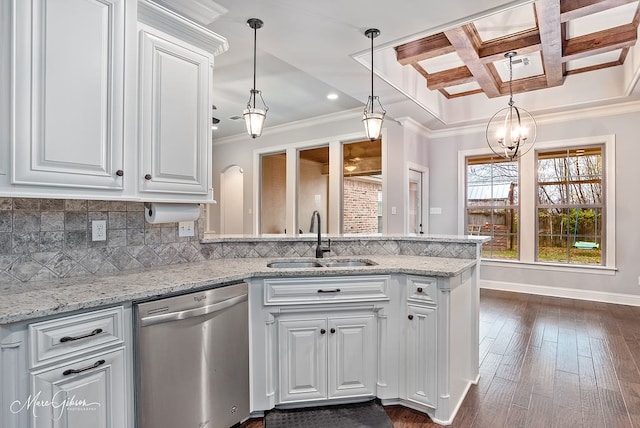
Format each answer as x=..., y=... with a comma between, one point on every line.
x=547, y=362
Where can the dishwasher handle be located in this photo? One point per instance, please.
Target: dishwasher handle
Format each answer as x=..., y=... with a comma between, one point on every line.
x=190, y=313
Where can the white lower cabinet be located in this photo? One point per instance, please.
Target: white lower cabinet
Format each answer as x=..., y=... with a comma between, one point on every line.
x=325, y=358
x=73, y=371
x=88, y=392
x=421, y=354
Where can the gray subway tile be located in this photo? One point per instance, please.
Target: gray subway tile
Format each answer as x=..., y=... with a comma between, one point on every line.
x=52, y=204
x=117, y=220
x=25, y=221
x=135, y=220
x=75, y=205
x=51, y=220
x=6, y=204
x=6, y=221
x=75, y=239
x=51, y=241
x=26, y=204
x=75, y=220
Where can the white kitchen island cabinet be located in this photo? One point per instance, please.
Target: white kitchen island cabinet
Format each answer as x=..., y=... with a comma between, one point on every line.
x=326, y=358
x=406, y=339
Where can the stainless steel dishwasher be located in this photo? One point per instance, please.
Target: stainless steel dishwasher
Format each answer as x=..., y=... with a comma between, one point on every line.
x=192, y=360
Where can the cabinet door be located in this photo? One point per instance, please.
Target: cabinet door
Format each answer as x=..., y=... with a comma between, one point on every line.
x=68, y=100
x=421, y=354
x=303, y=359
x=352, y=356
x=175, y=114
x=92, y=396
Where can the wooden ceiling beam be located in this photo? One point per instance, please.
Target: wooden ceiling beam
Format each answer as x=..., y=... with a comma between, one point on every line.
x=425, y=48
x=524, y=42
x=451, y=77
x=572, y=9
x=548, y=17
x=525, y=85
x=600, y=42
x=462, y=39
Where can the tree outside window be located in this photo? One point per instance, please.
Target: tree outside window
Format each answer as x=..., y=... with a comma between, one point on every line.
x=570, y=205
x=492, y=205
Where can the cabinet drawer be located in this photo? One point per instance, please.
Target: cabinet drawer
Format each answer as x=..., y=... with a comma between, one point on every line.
x=295, y=291
x=424, y=290
x=73, y=335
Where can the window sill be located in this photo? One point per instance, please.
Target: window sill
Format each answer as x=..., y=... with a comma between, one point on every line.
x=553, y=267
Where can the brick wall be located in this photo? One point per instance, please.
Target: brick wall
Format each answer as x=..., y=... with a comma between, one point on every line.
x=360, y=213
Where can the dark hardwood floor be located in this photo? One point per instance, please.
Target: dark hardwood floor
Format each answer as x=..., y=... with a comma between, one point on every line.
x=548, y=362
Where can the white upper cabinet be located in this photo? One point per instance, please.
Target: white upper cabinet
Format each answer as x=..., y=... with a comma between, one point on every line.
x=68, y=99
x=175, y=75
x=175, y=115
x=96, y=95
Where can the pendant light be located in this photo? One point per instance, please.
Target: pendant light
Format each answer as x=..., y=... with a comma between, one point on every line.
x=254, y=117
x=372, y=119
x=511, y=132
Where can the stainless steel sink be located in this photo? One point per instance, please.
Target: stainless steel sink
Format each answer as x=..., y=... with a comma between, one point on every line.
x=301, y=264
x=348, y=263
x=294, y=264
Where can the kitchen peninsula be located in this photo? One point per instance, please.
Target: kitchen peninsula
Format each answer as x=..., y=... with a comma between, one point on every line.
x=406, y=325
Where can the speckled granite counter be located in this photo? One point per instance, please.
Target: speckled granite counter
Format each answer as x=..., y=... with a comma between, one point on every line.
x=38, y=299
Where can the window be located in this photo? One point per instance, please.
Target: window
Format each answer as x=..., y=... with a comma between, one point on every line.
x=362, y=187
x=555, y=206
x=291, y=181
x=492, y=204
x=570, y=205
x=273, y=193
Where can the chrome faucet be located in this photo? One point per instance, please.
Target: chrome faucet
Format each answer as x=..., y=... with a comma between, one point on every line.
x=320, y=250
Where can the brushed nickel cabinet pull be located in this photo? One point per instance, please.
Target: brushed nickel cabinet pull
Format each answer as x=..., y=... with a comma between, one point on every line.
x=84, y=369
x=71, y=338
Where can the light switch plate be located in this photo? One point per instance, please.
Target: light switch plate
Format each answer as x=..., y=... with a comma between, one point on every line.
x=185, y=228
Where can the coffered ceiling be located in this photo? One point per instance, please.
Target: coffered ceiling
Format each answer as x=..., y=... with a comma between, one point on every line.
x=439, y=63
x=552, y=39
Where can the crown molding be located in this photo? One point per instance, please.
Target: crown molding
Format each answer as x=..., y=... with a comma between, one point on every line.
x=549, y=118
x=355, y=113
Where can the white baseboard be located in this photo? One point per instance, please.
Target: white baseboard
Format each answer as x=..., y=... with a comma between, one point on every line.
x=571, y=293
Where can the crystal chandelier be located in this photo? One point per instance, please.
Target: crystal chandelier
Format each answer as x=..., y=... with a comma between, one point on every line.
x=511, y=132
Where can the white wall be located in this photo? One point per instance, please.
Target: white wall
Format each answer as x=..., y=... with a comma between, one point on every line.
x=403, y=143
x=597, y=285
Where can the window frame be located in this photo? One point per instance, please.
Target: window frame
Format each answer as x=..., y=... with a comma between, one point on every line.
x=492, y=159
x=568, y=205
x=528, y=203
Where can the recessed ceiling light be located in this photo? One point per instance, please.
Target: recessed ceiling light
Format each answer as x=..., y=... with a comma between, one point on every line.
x=214, y=127
x=332, y=96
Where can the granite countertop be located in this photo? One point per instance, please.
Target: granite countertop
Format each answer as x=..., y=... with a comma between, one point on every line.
x=28, y=301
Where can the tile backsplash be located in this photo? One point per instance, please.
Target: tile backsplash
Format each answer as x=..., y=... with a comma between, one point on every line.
x=51, y=238
x=44, y=239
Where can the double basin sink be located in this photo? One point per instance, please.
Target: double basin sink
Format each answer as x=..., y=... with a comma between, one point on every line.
x=319, y=263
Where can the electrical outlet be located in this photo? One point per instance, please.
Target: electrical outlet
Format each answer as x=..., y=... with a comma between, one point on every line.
x=185, y=228
x=99, y=230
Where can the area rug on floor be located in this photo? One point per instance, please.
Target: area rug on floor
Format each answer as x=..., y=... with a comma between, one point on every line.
x=369, y=414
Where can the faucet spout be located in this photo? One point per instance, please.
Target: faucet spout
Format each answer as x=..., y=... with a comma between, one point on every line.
x=320, y=250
